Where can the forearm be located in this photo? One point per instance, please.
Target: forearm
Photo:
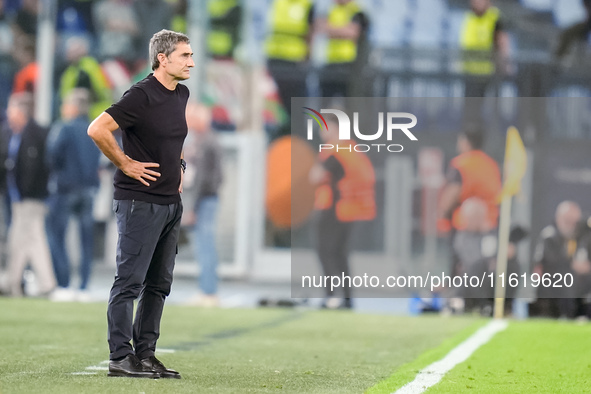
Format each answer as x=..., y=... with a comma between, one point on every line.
x=502, y=45
x=449, y=200
x=110, y=148
x=101, y=131
x=349, y=32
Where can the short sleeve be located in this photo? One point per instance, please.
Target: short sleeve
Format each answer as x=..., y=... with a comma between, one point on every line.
x=187, y=91
x=129, y=108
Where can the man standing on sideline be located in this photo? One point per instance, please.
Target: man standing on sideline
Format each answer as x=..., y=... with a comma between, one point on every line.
x=556, y=253
x=147, y=202
x=73, y=184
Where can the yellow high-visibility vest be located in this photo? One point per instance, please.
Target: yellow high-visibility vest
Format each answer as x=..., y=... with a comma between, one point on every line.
x=289, y=28
x=219, y=40
x=340, y=50
x=478, y=35
x=99, y=86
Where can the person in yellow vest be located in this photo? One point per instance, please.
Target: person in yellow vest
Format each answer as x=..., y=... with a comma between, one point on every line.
x=224, y=77
x=471, y=174
x=287, y=46
x=291, y=27
x=345, y=194
x=485, y=44
x=84, y=71
x=346, y=27
x=225, y=17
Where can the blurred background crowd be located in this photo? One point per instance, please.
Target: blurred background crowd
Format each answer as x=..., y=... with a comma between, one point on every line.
x=462, y=66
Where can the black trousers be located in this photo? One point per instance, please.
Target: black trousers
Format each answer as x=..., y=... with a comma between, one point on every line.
x=146, y=252
x=332, y=246
x=474, y=93
x=290, y=78
x=335, y=81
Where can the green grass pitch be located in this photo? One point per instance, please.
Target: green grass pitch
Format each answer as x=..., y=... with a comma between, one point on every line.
x=529, y=357
x=44, y=346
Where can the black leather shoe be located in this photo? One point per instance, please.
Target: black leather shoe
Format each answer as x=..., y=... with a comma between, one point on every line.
x=131, y=367
x=155, y=365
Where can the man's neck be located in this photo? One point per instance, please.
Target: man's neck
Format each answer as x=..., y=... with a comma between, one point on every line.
x=168, y=81
x=480, y=14
x=18, y=128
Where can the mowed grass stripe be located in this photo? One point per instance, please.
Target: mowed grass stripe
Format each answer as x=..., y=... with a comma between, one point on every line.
x=217, y=351
x=535, y=356
x=406, y=373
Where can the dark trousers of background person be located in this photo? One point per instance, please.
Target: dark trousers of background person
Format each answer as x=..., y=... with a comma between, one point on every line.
x=4, y=223
x=205, y=244
x=332, y=246
x=557, y=302
x=290, y=79
x=555, y=307
x=146, y=252
x=474, y=92
x=583, y=294
x=476, y=297
x=335, y=80
x=62, y=206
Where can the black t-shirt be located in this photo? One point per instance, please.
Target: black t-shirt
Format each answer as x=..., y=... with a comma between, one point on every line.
x=154, y=127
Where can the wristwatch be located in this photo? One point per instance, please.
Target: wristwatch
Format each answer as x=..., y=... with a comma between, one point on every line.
x=183, y=165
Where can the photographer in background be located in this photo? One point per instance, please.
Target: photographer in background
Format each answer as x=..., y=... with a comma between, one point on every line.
x=554, y=254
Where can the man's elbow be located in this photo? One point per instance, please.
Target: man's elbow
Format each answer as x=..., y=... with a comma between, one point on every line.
x=93, y=130
x=90, y=131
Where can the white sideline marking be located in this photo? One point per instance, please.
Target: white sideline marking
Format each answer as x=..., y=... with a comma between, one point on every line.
x=165, y=350
x=97, y=368
x=433, y=373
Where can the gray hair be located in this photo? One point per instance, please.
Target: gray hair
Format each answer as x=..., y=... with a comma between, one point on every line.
x=165, y=42
x=80, y=98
